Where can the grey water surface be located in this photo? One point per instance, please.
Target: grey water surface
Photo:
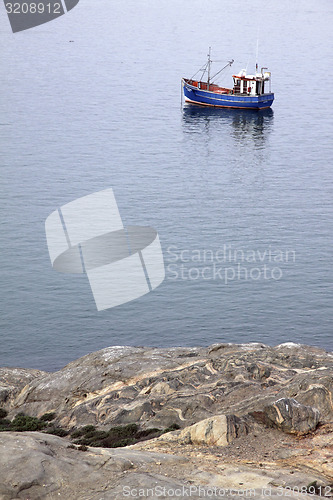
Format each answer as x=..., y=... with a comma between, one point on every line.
x=242, y=201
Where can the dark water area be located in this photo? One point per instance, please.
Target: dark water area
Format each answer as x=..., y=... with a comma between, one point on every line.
x=242, y=200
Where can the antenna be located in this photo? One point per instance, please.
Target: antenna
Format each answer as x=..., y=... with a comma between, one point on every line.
x=257, y=51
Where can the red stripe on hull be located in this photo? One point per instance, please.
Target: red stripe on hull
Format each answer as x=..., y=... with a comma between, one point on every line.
x=222, y=105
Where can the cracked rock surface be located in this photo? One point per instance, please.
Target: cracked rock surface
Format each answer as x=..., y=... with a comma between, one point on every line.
x=250, y=416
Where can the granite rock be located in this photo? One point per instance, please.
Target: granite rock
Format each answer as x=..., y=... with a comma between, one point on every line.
x=160, y=387
x=219, y=430
x=250, y=415
x=36, y=466
x=291, y=416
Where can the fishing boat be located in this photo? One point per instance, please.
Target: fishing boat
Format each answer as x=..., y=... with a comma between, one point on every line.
x=248, y=92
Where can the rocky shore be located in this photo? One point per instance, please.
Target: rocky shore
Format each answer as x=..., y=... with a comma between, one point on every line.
x=250, y=421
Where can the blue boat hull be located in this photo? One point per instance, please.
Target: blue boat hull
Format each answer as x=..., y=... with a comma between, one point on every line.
x=207, y=98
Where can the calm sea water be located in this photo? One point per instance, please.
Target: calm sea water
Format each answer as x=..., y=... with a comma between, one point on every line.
x=227, y=191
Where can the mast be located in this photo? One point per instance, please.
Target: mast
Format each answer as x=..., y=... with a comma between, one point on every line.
x=208, y=65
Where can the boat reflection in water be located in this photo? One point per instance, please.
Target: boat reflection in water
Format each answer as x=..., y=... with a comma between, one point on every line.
x=243, y=125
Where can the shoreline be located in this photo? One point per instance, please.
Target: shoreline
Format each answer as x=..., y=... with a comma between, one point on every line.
x=203, y=346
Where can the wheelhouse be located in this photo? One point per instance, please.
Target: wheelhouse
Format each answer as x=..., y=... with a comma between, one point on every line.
x=251, y=84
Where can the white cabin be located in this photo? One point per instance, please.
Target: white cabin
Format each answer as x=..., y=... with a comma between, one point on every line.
x=251, y=84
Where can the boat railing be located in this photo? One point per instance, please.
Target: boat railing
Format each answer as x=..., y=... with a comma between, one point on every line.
x=211, y=87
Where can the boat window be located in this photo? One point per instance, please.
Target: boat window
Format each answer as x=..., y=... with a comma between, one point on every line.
x=237, y=86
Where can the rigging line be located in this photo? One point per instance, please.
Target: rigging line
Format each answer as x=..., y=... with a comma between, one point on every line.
x=203, y=68
x=229, y=64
